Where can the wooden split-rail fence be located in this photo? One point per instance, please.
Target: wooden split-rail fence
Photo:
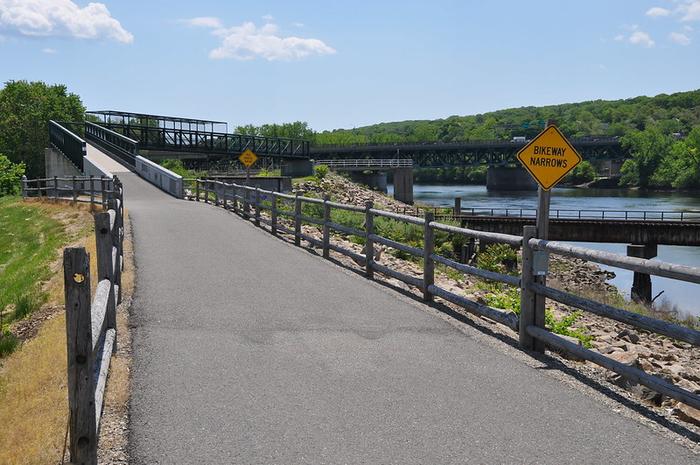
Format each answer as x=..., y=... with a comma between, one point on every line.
x=250, y=202
x=91, y=321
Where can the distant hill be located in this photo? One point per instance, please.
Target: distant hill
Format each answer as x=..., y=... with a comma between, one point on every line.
x=675, y=113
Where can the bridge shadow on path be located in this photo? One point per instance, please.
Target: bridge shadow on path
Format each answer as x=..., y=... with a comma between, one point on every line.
x=248, y=350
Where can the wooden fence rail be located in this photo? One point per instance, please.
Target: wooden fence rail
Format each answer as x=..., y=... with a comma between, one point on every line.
x=88, y=189
x=91, y=322
x=529, y=323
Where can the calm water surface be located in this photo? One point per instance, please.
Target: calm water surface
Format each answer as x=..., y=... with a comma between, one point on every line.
x=683, y=295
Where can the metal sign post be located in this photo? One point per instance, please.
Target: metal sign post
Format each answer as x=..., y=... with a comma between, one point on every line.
x=248, y=158
x=548, y=158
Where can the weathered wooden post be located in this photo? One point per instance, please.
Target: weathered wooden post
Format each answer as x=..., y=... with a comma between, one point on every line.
x=103, y=191
x=297, y=219
x=106, y=269
x=428, y=262
x=527, y=296
x=326, y=228
x=24, y=187
x=55, y=187
x=75, y=190
x=369, y=243
x=458, y=207
x=81, y=380
x=92, y=192
x=257, y=206
x=273, y=213
x=235, y=199
x=196, y=190
x=216, y=193
x=246, y=206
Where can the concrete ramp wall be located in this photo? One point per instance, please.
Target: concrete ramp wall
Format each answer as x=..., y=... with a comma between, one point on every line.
x=160, y=177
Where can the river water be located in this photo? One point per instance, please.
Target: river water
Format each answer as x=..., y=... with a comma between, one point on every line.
x=685, y=296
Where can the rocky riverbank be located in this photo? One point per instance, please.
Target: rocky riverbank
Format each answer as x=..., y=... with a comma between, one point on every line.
x=675, y=361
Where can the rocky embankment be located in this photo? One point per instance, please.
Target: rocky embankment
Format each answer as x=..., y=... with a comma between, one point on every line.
x=674, y=361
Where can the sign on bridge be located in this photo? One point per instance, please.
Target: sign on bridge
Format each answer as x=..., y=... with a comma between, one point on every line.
x=549, y=157
x=248, y=157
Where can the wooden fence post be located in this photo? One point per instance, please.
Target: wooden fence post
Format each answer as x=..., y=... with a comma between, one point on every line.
x=428, y=263
x=75, y=190
x=216, y=193
x=326, y=228
x=105, y=268
x=55, y=187
x=103, y=189
x=297, y=220
x=273, y=213
x=196, y=190
x=369, y=244
x=92, y=192
x=527, y=296
x=81, y=384
x=24, y=187
x=257, y=206
x=246, y=205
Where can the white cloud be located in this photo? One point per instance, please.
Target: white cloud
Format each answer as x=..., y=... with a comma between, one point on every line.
x=247, y=42
x=203, y=21
x=268, y=18
x=679, y=38
x=46, y=18
x=657, y=11
x=641, y=38
x=49, y=51
x=690, y=10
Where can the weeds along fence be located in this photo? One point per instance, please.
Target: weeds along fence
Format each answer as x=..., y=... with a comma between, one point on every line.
x=91, y=321
x=285, y=214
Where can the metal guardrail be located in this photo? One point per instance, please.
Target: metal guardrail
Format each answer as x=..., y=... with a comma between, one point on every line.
x=119, y=145
x=366, y=163
x=68, y=143
x=530, y=323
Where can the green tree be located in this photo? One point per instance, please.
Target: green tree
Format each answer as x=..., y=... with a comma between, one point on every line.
x=647, y=149
x=680, y=168
x=584, y=172
x=10, y=176
x=25, y=110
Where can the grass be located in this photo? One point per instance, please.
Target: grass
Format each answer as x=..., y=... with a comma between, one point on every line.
x=29, y=239
x=33, y=396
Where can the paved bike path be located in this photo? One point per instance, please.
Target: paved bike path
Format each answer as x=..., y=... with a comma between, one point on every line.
x=250, y=351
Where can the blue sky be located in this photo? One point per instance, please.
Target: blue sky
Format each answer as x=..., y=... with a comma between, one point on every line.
x=346, y=64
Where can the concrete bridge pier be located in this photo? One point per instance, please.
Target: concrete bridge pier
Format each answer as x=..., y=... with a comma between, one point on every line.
x=403, y=185
x=297, y=168
x=509, y=178
x=376, y=180
x=641, y=283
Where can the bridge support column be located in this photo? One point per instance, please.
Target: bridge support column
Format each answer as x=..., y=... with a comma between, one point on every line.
x=403, y=185
x=297, y=168
x=509, y=178
x=373, y=179
x=641, y=284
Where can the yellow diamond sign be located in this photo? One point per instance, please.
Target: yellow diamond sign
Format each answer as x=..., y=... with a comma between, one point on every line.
x=549, y=157
x=248, y=158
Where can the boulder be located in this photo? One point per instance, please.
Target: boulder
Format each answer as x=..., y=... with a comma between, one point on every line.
x=629, y=336
x=630, y=359
x=687, y=413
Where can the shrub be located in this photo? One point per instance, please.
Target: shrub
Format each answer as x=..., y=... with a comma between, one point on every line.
x=500, y=258
x=10, y=176
x=176, y=167
x=320, y=171
x=8, y=343
x=25, y=305
x=584, y=172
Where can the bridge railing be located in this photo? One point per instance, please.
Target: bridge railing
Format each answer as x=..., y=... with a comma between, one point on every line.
x=191, y=140
x=68, y=143
x=125, y=148
x=367, y=163
x=287, y=214
x=563, y=214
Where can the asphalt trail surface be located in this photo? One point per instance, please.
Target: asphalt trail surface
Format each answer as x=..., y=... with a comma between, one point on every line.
x=250, y=351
